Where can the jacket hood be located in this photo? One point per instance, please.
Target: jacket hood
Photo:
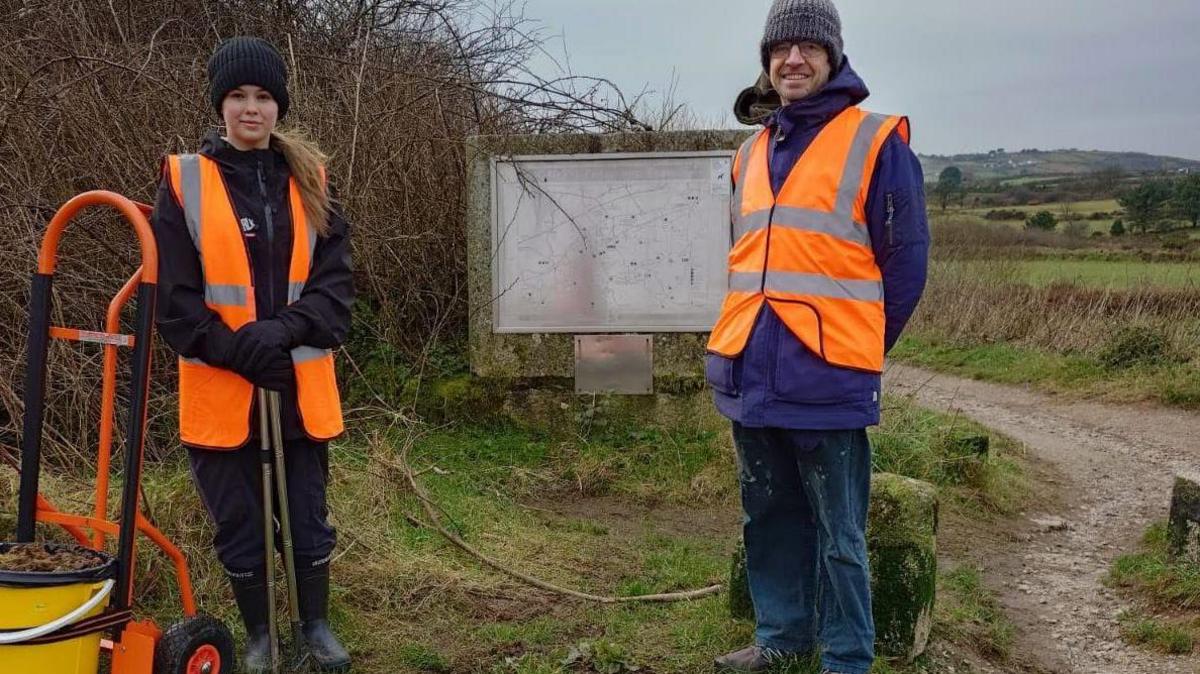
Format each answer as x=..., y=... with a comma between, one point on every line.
x=843, y=90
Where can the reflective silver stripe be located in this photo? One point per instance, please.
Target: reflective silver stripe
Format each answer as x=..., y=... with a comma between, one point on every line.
x=837, y=225
x=750, y=222
x=304, y=354
x=189, y=178
x=735, y=203
x=744, y=153
x=856, y=164
x=294, y=290
x=745, y=281
x=312, y=243
x=193, y=361
x=808, y=284
x=824, y=286
x=226, y=295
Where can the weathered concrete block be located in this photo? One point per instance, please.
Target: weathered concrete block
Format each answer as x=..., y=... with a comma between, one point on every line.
x=902, y=546
x=1183, y=530
x=741, y=605
x=902, y=543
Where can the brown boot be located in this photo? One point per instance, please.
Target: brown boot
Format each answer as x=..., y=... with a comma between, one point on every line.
x=750, y=659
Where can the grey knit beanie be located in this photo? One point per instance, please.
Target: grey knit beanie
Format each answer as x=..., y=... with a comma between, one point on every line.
x=804, y=20
x=247, y=60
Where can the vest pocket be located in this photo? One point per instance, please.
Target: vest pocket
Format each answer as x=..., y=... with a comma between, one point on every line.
x=720, y=373
x=798, y=375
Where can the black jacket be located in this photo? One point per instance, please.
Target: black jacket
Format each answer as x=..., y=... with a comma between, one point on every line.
x=257, y=182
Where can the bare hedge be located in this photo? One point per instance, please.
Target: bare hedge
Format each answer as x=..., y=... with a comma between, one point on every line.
x=94, y=92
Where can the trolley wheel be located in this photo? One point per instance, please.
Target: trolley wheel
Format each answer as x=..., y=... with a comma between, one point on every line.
x=197, y=645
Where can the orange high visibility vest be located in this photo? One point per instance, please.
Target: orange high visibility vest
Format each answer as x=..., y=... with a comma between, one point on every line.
x=215, y=403
x=807, y=253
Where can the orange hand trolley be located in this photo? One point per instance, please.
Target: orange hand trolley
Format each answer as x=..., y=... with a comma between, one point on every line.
x=198, y=644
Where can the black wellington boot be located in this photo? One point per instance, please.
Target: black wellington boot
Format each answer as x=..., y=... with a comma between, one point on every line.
x=251, y=594
x=312, y=585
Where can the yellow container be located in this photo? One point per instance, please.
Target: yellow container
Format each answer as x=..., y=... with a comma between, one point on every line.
x=33, y=599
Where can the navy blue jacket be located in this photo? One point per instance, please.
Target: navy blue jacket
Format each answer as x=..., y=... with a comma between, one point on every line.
x=776, y=381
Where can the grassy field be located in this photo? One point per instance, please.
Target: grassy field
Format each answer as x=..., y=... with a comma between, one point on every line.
x=1087, y=273
x=1074, y=317
x=619, y=512
x=1080, y=211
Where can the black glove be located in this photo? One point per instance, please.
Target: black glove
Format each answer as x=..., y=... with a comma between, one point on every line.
x=269, y=333
x=275, y=373
x=259, y=353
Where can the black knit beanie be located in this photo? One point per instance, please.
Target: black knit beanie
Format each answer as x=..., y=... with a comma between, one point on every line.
x=247, y=60
x=812, y=20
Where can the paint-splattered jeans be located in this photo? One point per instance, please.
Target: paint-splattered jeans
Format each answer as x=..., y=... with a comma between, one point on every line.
x=805, y=497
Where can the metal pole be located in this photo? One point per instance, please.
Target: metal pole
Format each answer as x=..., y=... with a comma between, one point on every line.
x=268, y=525
x=35, y=405
x=135, y=430
x=285, y=524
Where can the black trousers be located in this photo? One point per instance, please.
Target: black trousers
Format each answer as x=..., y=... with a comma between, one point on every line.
x=230, y=485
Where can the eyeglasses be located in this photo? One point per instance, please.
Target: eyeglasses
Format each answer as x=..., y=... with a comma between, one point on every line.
x=808, y=50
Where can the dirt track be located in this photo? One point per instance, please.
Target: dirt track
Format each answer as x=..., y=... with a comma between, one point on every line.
x=1106, y=473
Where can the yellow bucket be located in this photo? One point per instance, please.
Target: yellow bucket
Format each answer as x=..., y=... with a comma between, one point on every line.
x=37, y=601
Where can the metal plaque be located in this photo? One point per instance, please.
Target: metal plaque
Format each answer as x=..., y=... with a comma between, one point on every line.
x=614, y=364
x=610, y=242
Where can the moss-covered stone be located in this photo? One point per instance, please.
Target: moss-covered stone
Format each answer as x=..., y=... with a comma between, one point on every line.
x=901, y=545
x=1183, y=530
x=741, y=605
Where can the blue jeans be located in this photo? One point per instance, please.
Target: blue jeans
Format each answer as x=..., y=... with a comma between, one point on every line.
x=805, y=497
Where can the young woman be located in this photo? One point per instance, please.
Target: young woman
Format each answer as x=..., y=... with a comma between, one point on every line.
x=254, y=290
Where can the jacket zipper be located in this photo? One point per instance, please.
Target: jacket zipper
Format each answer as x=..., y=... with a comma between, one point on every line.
x=778, y=138
x=262, y=190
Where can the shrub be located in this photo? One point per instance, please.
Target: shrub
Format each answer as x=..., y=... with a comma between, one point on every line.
x=1042, y=220
x=1004, y=214
x=1135, y=345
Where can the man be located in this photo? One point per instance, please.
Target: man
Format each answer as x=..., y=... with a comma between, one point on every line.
x=828, y=263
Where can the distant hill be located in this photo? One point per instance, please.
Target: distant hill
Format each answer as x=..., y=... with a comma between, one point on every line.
x=1032, y=164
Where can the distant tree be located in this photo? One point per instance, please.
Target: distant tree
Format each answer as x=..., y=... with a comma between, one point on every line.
x=950, y=182
x=1107, y=178
x=1067, y=213
x=1117, y=229
x=1043, y=220
x=1146, y=204
x=1185, y=202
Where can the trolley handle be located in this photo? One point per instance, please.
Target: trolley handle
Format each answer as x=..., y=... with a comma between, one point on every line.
x=135, y=213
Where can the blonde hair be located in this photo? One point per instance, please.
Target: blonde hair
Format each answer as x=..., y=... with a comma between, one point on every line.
x=306, y=160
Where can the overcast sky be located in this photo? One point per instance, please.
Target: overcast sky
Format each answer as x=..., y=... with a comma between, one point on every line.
x=972, y=75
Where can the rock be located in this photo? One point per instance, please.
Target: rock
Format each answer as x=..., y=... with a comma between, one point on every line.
x=1050, y=523
x=902, y=542
x=741, y=606
x=1183, y=529
x=902, y=547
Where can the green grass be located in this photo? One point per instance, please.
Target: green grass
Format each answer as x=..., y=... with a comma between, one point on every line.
x=1172, y=639
x=1098, y=273
x=1171, y=382
x=1152, y=572
x=635, y=514
x=967, y=611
